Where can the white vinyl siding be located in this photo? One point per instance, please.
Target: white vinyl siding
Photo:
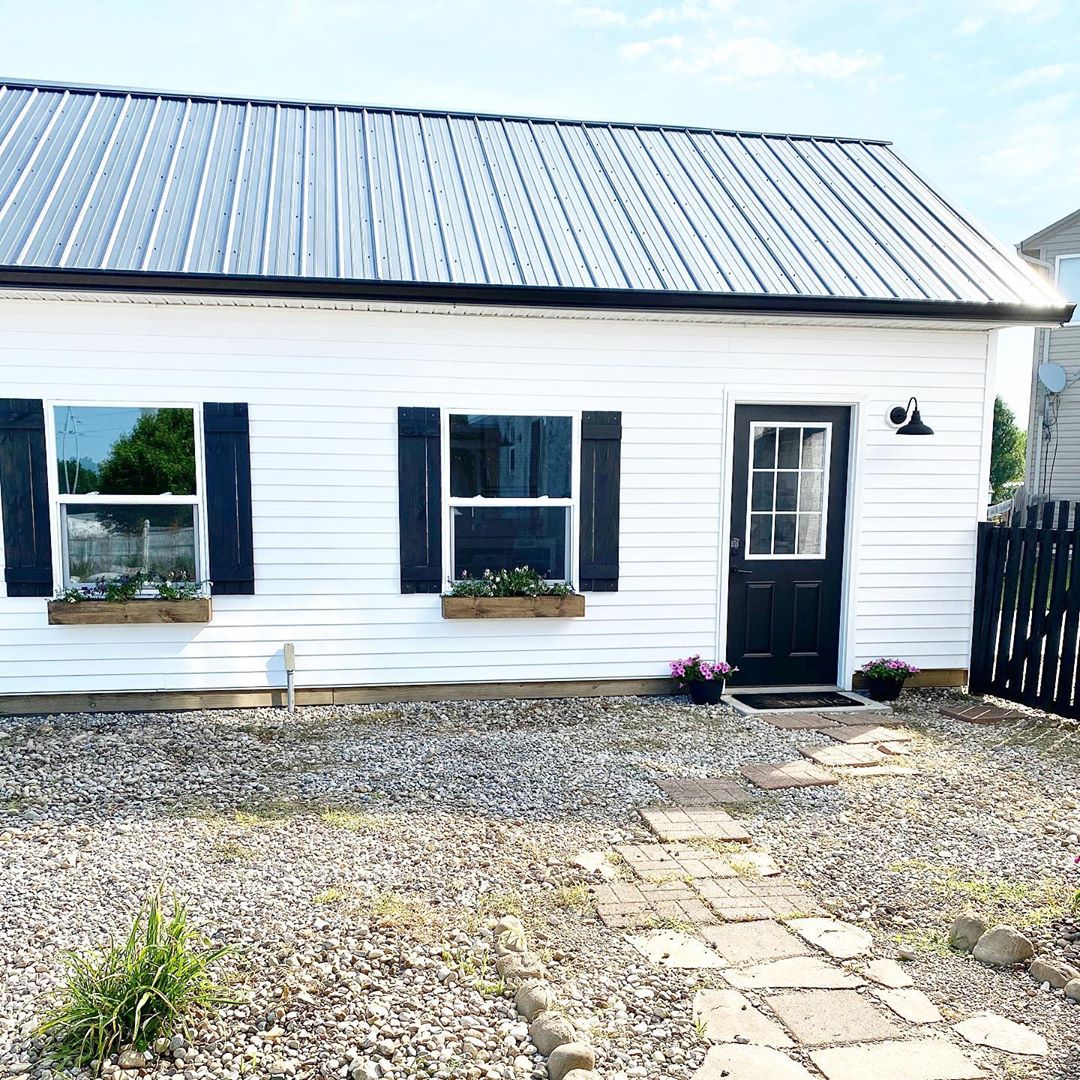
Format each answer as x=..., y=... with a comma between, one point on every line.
x=324, y=387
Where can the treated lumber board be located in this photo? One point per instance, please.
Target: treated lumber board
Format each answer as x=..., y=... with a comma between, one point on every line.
x=103, y=613
x=513, y=607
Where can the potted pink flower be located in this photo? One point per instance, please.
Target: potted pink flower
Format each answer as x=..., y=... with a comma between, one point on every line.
x=884, y=678
x=704, y=682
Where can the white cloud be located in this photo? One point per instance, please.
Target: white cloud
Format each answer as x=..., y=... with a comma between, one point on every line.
x=734, y=60
x=598, y=16
x=1031, y=148
x=689, y=11
x=971, y=25
x=1038, y=76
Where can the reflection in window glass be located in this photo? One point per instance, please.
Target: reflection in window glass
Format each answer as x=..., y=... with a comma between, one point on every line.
x=104, y=541
x=787, y=490
x=510, y=457
x=1068, y=281
x=497, y=538
x=124, y=451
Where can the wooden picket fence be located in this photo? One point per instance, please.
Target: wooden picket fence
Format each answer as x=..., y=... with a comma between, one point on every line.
x=1027, y=609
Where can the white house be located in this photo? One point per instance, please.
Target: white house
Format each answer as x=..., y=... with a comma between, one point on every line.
x=329, y=358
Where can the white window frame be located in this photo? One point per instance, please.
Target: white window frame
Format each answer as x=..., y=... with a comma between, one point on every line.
x=1074, y=322
x=826, y=471
x=573, y=503
x=58, y=502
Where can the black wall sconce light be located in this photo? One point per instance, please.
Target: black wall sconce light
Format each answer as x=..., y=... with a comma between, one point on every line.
x=914, y=426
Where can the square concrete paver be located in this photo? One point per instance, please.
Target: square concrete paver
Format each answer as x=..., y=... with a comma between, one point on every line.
x=730, y=1061
x=791, y=774
x=919, y=1059
x=870, y=735
x=839, y=939
x=728, y=1016
x=862, y=717
x=824, y=1017
x=981, y=714
x=670, y=948
x=796, y=973
x=746, y=899
x=911, y=1005
x=797, y=721
x=672, y=825
x=639, y=905
x=692, y=792
x=657, y=862
x=888, y=973
x=754, y=942
x=843, y=756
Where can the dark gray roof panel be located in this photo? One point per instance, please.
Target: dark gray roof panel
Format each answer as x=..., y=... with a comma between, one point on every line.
x=139, y=181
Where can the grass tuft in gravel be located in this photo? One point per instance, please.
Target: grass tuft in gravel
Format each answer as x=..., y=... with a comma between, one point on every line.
x=134, y=993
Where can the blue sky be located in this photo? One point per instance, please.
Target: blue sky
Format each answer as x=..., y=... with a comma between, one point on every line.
x=978, y=95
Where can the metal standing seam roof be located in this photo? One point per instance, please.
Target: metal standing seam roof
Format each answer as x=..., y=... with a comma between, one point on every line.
x=145, y=182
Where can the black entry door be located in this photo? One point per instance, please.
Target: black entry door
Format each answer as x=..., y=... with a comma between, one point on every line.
x=788, y=504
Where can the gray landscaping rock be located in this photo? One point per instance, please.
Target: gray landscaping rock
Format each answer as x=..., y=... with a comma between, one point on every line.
x=965, y=932
x=509, y=934
x=533, y=997
x=1072, y=990
x=1055, y=972
x=568, y=1058
x=131, y=1059
x=581, y=1074
x=516, y=968
x=1002, y=946
x=550, y=1030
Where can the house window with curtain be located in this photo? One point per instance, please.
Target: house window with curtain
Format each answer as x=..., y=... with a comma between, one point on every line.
x=127, y=493
x=512, y=493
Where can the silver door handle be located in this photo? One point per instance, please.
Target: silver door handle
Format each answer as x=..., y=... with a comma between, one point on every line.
x=740, y=570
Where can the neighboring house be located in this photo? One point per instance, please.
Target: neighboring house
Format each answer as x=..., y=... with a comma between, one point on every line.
x=376, y=348
x=1053, y=448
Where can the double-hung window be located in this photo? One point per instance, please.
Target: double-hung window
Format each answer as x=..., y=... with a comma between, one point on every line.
x=1068, y=281
x=510, y=492
x=127, y=493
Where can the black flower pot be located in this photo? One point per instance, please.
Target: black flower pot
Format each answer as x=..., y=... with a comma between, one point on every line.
x=884, y=689
x=706, y=693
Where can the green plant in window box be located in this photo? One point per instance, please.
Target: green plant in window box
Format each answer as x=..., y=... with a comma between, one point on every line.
x=129, y=587
x=520, y=581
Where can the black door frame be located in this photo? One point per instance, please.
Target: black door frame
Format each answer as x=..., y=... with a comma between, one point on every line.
x=857, y=408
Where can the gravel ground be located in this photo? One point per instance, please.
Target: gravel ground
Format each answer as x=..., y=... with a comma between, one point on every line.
x=358, y=856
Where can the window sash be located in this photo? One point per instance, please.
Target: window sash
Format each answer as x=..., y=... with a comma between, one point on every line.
x=450, y=502
x=57, y=501
x=1069, y=265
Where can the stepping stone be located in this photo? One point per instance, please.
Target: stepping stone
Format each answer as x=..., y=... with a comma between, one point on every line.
x=981, y=714
x=752, y=864
x=594, y=862
x=839, y=939
x=843, y=756
x=695, y=792
x=791, y=774
x=754, y=942
x=989, y=1029
x=675, y=824
x=797, y=721
x=911, y=1005
x=823, y=1017
x=671, y=949
x=797, y=973
x=657, y=862
x=919, y=1059
x=734, y=1062
x=860, y=717
x=746, y=899
x=730, y=1017
x=887, y=973
x=872, y=735
x=639, y=905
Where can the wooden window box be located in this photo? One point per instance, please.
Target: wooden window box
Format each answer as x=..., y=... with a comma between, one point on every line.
x=513, y=607
x=101, y=613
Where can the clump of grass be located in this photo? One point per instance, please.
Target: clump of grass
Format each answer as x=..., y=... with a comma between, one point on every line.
x=924, y=940
x=499, y=903
x=350, y=820
x=232, y=851
x=133, y=993
x=410, y=914
x=573, y=898
x=331, y=896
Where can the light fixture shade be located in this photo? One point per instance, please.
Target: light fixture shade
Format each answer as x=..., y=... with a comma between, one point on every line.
x=915, y=426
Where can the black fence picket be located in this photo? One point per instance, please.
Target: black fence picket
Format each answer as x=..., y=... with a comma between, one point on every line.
x=1026, y=626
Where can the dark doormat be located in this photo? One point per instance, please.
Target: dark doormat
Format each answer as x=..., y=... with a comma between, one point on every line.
x=793, y=699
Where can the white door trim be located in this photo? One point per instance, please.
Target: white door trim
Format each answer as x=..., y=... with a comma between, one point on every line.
x=857, y=403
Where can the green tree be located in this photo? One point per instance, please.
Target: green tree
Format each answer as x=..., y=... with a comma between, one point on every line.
x=1006, y=452
x=157, y=455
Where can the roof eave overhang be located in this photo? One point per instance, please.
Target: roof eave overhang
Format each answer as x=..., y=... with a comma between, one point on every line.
x=47, y=278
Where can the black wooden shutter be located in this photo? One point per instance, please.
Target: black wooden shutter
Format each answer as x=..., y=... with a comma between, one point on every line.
x=601, y=440
x=419, y=491
x=228, y=498
x=24, y=498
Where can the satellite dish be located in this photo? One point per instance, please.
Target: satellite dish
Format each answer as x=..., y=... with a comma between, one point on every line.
x=1052, y=376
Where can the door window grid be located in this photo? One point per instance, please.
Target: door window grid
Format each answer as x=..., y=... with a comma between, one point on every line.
x=787, y=497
